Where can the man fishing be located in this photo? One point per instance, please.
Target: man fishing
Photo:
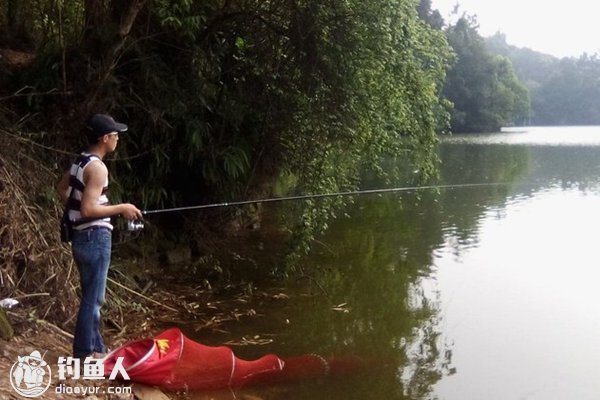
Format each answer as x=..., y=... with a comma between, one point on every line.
x=83, y=190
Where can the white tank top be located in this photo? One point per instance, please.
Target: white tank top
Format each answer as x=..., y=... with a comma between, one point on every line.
x=76, y=188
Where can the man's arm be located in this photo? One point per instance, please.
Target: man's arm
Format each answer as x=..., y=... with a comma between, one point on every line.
x=94, y=177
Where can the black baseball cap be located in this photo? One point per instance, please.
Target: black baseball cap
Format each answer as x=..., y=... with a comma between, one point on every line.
x=101, y=124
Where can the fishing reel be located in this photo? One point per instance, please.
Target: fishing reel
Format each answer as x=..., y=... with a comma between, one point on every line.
x=133, y=231
x=134, y=225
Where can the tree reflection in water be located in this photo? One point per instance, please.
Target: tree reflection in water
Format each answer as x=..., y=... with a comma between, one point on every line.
x=372, y=263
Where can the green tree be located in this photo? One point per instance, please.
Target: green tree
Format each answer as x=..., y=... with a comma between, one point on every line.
x=429, y=15
x=533, y=68
x=483, y=87
x=563, y=91
x=224, y=97
x=571, y=93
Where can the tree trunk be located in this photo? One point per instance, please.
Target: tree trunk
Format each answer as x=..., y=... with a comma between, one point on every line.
x=130, y=16
x=95, y=15
x=117, y=19
x=11, y=15
x=14, y=28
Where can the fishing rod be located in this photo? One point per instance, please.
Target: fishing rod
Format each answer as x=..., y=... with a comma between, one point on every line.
x=136, y=225
x=317, y=196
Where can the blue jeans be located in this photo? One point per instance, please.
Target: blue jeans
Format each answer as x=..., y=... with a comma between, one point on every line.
x=91, y=251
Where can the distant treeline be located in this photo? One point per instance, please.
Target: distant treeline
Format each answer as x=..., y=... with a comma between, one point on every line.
x=482, y=85
x=563, y=91
x=493, y=84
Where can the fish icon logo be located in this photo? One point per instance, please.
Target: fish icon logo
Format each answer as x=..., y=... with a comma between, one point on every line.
x=30, y=375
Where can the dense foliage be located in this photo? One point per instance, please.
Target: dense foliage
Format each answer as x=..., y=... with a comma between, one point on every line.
x=225, y=97
x=483, y=86
x=563, y=91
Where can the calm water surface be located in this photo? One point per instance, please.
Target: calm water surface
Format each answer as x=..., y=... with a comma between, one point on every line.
x=522, y=306
x=469, y=293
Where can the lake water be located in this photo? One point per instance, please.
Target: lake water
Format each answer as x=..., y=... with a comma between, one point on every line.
x=476, y=293
x=522, y=306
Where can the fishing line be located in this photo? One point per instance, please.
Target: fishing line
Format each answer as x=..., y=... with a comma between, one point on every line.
x=322, y=195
